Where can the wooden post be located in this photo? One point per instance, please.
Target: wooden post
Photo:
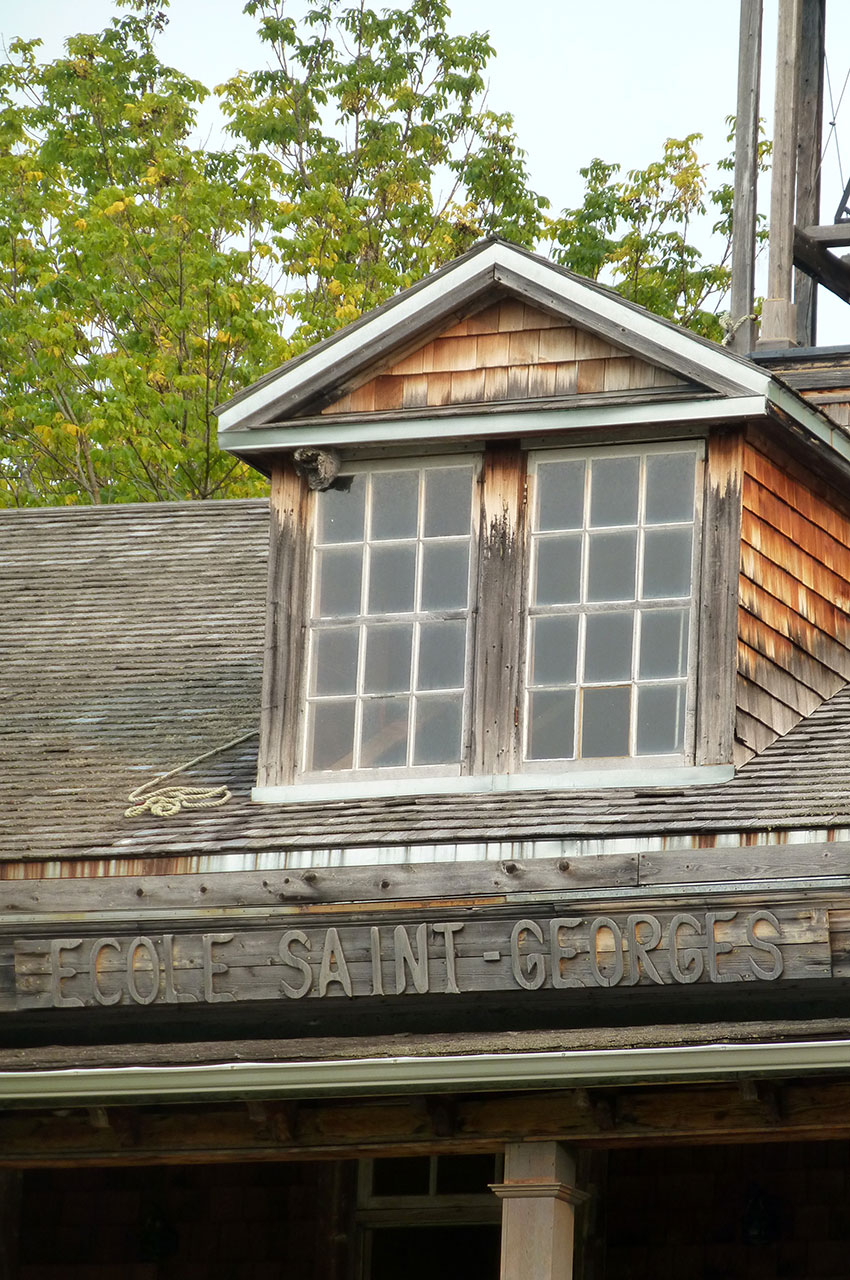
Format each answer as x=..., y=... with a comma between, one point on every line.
x=779, y=323
x=538, y=1211
x=746, y=177
x=809, y=133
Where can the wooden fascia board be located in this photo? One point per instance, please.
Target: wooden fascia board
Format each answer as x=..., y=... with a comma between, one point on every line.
x=468, y=426
x=516, y=272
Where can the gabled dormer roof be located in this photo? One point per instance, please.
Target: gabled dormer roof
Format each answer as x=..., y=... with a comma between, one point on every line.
x=310, y=400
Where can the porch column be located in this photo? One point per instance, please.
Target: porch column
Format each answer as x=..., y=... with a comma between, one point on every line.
x=538, y=1211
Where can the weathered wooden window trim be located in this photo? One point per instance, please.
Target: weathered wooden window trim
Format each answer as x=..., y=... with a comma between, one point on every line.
x=493, y=750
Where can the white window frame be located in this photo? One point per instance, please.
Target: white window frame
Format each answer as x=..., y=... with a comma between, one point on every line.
x=577, y=764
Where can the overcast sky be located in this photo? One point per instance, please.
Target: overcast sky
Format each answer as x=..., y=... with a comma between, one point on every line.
x=613, y=78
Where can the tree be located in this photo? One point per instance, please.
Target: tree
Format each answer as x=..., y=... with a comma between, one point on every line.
x=145, y=278
x=135, y=289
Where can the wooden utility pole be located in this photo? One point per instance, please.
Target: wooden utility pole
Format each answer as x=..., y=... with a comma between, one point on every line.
x=779, y=322
x=746, y=172
x=809, y=141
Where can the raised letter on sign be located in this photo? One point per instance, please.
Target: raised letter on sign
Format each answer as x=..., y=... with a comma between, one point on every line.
x=563, y=951
x=406, y=962
x=448, y=931
x=172, y=995
x=716, y=948
x=638, y=948
x=211, y=967
x=533, y=976
x=687, y=965
x=289, y=957
x=137, y=945
x=604, y=979
x=333, y=967
x=375, y=947
x=762, y=944
x=58, y=971
x=94, y=956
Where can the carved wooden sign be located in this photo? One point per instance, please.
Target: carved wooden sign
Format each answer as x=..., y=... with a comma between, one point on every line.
x=449, y=957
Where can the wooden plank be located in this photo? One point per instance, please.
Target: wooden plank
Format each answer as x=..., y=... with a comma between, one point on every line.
x=517, y=382
x=468, y=953
x=439, y=388
x=415, y=391
x=832, y=235
x=269, y=890
x=450, y=354
x=745, y=863
x=495, y=384
x=290, y=504
x=566, y=379
x=807, y=492
x=557, y=344
x=816, y=261
x=778, y=325
x=498, y=658
x=793, y=626
x=591, y=376
x=781, y=586
x=524, y=347
x=633, y=1116
x=485, y=321
x=752, y=733
x=746, y=175
x=800, y=531
x=809, y=159
x=468, y=386
x=538, y=1199
x=512, y=315
x=619, y=373
x=718, y=609
x=492, y=350
x=542, y=381
x=810, y=573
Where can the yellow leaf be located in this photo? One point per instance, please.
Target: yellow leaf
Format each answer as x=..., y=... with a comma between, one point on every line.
x=80, y=224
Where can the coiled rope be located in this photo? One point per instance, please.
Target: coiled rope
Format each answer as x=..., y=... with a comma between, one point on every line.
x=167, y=802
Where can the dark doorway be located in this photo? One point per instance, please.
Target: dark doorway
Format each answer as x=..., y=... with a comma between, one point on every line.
x=423, y=1253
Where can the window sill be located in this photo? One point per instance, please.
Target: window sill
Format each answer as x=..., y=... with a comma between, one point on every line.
x=634, y=776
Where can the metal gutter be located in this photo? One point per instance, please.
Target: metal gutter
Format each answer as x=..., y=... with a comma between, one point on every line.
x=400, y=1075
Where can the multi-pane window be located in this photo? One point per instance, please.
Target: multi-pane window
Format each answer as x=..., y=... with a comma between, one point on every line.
x=388, y=649
x=610, y=603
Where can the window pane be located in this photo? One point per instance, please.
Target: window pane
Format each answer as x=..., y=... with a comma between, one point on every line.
x=663, y=643
x=611, y=566
x=339, y=574
x=614, y=490
x=391, y=579
x=669, y=487
x=438, y=725
x=448, y=500
x=661, y=719
x=335, y=660
x=385, y=723
x=341, y=510
x=608, y=646
x=666, y=563
x=331, y=734
x=558, y=577
x=442, y=651
x=560, y=495
x=388, y=652
x=551, y=727
x=554, y=646
x=445, y=575
x=395, y=504
x=605, y=722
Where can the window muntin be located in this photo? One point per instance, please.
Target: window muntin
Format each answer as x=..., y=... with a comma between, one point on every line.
x=610, y=599
x=388, y=635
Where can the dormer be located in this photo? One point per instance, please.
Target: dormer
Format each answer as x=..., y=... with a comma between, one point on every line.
x=526, y=535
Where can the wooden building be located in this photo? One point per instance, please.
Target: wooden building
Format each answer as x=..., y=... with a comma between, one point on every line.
x=499, y=923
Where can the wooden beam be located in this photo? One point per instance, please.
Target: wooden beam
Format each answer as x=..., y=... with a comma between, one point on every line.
x=832, y=235
x=746, y=176
x=778, y=326
x=816, y=261
x=692, y=1115
x=809, y=130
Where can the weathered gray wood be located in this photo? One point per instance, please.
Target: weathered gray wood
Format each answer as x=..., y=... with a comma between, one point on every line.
x=746, y=176
x=833, y=235
x=815, y=260
x=809, y=131
x=283, y=653
x=448, y=957
x=267, y=891
x=751, y=863
x=718, y=610
x=778, y=325
x=538, y=1197
x=497, y=683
